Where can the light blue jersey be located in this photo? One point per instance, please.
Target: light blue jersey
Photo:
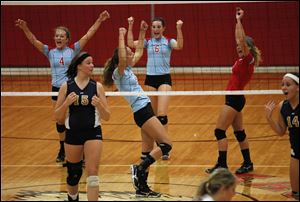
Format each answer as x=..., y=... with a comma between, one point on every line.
x=159, y=53
x=60, y=61
x=128, y=83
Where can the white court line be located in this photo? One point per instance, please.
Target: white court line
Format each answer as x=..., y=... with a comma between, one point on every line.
x=153, y=165
x=127, y=106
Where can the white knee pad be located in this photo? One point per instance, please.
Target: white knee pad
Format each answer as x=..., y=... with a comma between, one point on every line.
x=92, y=181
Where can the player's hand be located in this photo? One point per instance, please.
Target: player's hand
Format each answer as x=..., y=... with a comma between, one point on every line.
x=239, y=13
x=71, y=98
x=179, y=24
x=104, y=15
x=130, y=20
x=22, y=24
x=95, y=101
x=122, y=30
x=144, y=25
x=269, y=107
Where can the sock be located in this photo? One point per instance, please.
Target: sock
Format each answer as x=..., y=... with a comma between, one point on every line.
x=146, y=163
x=62, y=148
x=222, y=160
x=246, y=155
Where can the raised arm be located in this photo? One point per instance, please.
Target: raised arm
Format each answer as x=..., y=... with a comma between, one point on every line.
x=278, y=126
x=178, y=45
x=102, y=17
x=122, y=51
x=140, y=46
x=130, y=41
x=30, y=36
x=240, y=36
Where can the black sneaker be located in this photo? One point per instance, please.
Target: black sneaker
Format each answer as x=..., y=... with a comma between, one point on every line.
x=134, y=176
x=245, y=168
x=165, y=157
x=60, y=157
x=210, y=170
x=147, y=192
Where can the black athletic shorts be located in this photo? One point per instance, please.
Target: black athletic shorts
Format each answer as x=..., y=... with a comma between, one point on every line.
x=142, y=115
x=54, y=89
x=76, y=137
x=156, y=80
x=237, y=102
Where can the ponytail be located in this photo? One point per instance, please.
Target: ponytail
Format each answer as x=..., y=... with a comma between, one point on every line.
x=109, y=67
x=254, y=50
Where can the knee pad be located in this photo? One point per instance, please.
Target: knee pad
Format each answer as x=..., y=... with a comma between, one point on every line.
x=74, y=173
x=60, y=128
x=144, y=155
x=165, y=148
x=92, y=181
x=163, y=119
x=240, y=135
x=220, y=134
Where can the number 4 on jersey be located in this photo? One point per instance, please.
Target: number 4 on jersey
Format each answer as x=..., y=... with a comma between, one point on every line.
x=61, y=61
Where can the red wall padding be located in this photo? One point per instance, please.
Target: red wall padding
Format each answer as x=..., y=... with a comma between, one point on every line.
x=208, y=31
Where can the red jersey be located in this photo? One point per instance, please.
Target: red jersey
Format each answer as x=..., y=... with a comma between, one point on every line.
x=242, y=72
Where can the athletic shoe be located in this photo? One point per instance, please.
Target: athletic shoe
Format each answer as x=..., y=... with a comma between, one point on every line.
x=134, y=176
x=145, y=191
x=210, y=170
x=60, y=157
x=245, y=168
x=165, y=157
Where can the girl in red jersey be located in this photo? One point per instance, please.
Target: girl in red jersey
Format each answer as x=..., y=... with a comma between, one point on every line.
x=231, y=114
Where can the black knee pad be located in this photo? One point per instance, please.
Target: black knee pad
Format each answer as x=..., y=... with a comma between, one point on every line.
x=163, y=119
x=165, y=148
x=220, y=134
x=74, y=173
x=60, y=128
x=144, y=155
x=240, y=135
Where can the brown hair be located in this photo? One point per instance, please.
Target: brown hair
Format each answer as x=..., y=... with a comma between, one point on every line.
x=72, y=69
x=109, y=67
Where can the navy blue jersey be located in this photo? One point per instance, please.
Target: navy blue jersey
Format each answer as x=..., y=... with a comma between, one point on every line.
x=82, y=114
x=291, y=120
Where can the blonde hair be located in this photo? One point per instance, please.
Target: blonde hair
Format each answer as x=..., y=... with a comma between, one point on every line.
x=254, y=50
x=221, y=177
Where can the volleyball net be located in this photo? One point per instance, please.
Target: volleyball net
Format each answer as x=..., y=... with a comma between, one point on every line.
x=202, y=67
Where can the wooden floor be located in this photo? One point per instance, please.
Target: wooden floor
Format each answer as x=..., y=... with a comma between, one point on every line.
x=29, y=145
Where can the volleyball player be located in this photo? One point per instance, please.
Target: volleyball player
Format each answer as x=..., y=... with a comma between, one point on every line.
x=158, y=76
x=81, y=104
x=118, y=71
x=287, y=113
x=231, y=114
x=60, y=57
x=220, y=186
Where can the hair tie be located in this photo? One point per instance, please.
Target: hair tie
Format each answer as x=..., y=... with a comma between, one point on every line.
x=81, y=58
